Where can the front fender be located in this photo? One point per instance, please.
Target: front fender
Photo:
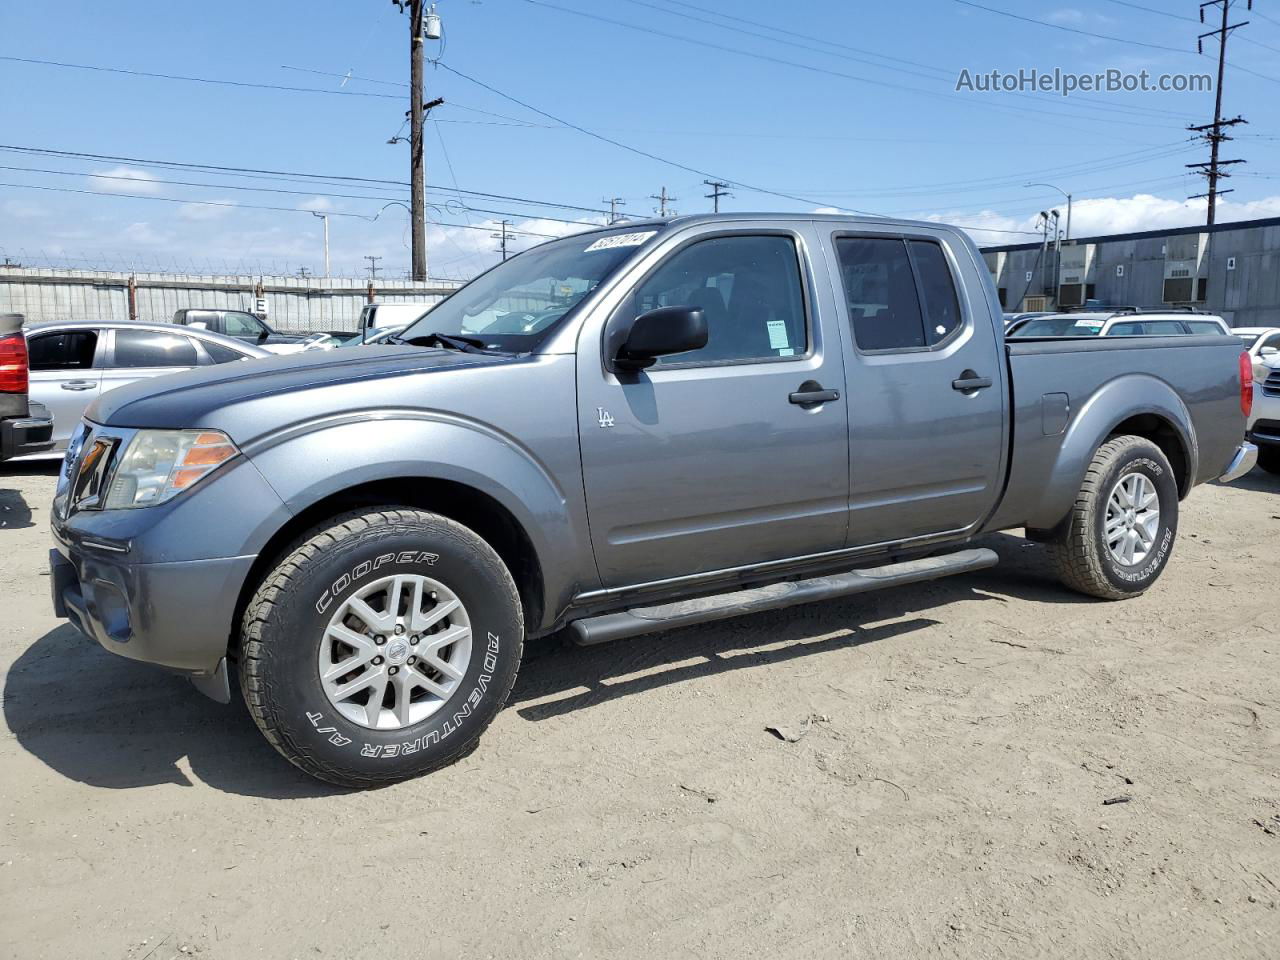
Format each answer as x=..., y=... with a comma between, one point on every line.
x=1114, y=402
x=309, y=462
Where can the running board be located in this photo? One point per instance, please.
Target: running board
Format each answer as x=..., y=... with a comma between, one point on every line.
x=683, y=613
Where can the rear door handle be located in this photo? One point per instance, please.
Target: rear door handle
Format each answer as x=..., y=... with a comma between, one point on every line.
x=78, y=385
x=811, y=393
x=970, y=381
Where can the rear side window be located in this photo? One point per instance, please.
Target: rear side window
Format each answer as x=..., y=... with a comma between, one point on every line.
x=941, y=307
x=749, y=289
x=140, y=348
x=880, y=290
x=1203, y=326
x=63, y=351
x=219, y=353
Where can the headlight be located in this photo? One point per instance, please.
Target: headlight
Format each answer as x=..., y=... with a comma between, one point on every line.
x=159, y=464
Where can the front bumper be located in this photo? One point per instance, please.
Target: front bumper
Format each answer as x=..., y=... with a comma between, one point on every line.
x=1246, y=456
x=172, y=615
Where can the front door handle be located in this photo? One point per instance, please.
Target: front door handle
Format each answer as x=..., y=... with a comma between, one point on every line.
x=811, y=394
x=970, y=381
x=78, y=385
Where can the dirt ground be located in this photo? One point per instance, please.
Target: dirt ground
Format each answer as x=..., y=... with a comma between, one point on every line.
x=948, y=796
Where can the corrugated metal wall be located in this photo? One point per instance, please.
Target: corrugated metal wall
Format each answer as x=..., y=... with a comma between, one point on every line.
x=293, y=303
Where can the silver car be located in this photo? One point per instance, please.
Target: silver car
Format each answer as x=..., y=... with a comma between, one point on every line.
x=73, y=362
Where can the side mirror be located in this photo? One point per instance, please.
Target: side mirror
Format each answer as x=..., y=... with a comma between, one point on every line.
x=262, y=335
x=660, y=333
x=198, y=325
x=1269, y=351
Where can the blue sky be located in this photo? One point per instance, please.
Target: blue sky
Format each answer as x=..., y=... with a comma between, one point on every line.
x=815, y=107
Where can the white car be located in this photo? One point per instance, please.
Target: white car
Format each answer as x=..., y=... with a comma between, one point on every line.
x=381, y=316
x=1124, y=323
x=72, y=363
x=1263, y=345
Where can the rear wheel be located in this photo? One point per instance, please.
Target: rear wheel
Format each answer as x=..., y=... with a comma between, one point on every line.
x=1118, y=537
x=381, y=646
x=1269, y=459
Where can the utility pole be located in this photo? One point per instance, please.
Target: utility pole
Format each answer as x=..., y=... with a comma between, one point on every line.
x=614, y=203
x=718, y=190
x=304, y=272
x=1044, y=255
x=373, y=266
x=1212, y=132
x=663, y=200
x=502, y=237
x=325, y=218
x=417, y=114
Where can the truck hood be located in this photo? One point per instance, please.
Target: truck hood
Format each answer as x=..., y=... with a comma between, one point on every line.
x=251, y=397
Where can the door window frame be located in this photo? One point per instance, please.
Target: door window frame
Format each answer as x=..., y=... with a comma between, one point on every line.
x=842, y=300
x=804, y=272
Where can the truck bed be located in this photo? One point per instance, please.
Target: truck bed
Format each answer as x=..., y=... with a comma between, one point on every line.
x=1068, y=393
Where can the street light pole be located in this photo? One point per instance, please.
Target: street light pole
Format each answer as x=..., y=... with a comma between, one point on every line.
x=325, y=218
x=1065, y=194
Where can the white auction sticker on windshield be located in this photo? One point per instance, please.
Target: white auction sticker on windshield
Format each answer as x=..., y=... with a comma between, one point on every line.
x=1090, y=324
x=620, y=240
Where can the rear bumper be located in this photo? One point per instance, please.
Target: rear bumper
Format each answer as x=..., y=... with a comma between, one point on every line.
x=1245, y=457
x=24, y=436
x=173, y=615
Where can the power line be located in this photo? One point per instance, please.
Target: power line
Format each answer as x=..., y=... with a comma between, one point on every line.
x=950, y=98
x=1099, y=36
x=936, y=71
x=214, y=168
x=192, y=79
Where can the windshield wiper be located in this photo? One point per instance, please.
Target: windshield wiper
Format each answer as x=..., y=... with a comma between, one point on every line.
x=450, y=340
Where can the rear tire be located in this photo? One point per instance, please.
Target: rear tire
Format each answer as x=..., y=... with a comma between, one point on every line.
x=1269, y=459
x=1118, y=537
x=380, y=646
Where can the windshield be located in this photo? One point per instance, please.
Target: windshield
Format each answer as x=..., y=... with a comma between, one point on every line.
x=1059, y=327
x=515, y=305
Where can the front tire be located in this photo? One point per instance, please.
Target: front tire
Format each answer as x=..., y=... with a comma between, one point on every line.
x=381, y=646
x=1118, y=537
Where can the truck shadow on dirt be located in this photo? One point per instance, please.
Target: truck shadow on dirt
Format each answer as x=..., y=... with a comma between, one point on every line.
x=565, y=678
x=135, y=726
x=109, y=722
x=15, y=512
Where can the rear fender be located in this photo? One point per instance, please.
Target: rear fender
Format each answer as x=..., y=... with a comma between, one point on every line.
x=1110, y=405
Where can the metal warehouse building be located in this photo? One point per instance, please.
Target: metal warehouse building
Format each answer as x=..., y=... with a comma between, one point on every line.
x=1231, y=269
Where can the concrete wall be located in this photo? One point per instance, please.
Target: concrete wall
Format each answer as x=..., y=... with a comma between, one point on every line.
x=293, y=303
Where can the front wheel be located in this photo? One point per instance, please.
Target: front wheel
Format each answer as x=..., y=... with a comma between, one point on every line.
x=1120, y=532
x=381, y=646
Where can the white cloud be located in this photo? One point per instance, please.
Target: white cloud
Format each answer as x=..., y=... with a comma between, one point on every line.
x=125, y=180
x=316, y=205
x=203, y=212
x=22, y=210
x=1101, y=216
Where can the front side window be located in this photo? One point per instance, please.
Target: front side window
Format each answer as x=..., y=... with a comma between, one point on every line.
x=63, y=351
x=140, y=348
x=241, y=325
x=749, y=290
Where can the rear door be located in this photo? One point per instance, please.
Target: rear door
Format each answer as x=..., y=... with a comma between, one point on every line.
x=140, y=354
x=926, y=386
x=66, y=376
x=704, y=462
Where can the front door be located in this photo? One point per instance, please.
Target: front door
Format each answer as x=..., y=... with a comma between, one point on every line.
x=706, y=461
x=926, y=388
x=64, y=376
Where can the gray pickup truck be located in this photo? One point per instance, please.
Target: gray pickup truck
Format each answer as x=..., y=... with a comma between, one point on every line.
x=640, y=427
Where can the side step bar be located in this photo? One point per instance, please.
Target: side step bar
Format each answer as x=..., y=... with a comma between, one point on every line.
x=683, y=613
